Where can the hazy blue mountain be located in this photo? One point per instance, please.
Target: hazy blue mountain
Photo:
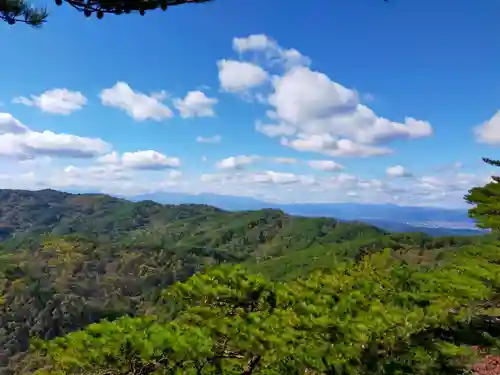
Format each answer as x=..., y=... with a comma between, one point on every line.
x=430, y=220
x=394, y=226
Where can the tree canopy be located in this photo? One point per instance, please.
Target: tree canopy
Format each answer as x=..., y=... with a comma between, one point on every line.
x=487, y=201
x=13, y=11
x=376, y=316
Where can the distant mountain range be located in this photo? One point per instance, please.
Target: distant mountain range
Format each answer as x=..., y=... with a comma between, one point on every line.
x=430, y=220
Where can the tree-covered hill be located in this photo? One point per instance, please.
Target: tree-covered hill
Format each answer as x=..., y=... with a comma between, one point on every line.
x=33, y=212
x=24, y=215
x=67, y=261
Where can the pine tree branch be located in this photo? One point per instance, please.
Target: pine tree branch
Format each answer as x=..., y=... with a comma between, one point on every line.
x=13, y=11
x=496, y=163
x=100, y=7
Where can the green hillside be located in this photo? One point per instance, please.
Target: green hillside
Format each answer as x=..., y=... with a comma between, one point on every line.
x=67, y=261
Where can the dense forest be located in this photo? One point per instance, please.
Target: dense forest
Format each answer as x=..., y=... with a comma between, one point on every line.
x=91, y=284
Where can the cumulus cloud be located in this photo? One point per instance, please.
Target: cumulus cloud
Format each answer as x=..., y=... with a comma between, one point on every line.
x=489, y=131
x=397, y=171
x=214, y=139
x=236, y=162
x=195, y=104
x=325, y=165
x=309, y=111
x=329, y=118
x=137, y=105
x=141, y=160
x=73, y=175
x=328, y=145
x=19, y=141
x=149, y=160
x=272, y=51
x=238, y=76
x=56, y=101
x=10, y=125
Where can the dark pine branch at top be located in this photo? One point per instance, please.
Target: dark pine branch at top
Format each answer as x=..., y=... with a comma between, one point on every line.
x=13, y=11
x=123, y=6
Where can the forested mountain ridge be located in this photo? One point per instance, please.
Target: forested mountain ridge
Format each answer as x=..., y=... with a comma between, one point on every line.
x=26, y=214
x=42, y=211
x=72, y=260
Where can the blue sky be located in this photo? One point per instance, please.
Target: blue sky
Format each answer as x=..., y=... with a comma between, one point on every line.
x=117, y=105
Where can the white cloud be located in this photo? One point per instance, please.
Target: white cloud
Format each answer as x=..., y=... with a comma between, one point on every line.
x=111, y=158
x=278, y=178
x=39, y=162
x=313, y=113
x=195, y=104
x=302, y=95
x=489, y=131
x=10, y=125
x=281, y=160
x=431, y=190
x=73, y=175
x=318, y=108
x=275, y=130
x=325, y=165
x=149, y=159
x=54, y=144
x=214, y=139
x=237, y=76
x=237, y=162
x=397, y=171
x=141, y=160
x=273, y=52
x=19, y=141
x=253, y=42
x=56, y=101
x=328, y=145
x=137, y=105
x=264, y=177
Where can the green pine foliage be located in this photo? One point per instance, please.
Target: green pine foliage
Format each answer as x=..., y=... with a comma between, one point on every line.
x=13, y=11
x=487, y=201
x=376, y=316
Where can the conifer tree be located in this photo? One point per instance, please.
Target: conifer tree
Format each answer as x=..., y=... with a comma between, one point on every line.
x=486, y=199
